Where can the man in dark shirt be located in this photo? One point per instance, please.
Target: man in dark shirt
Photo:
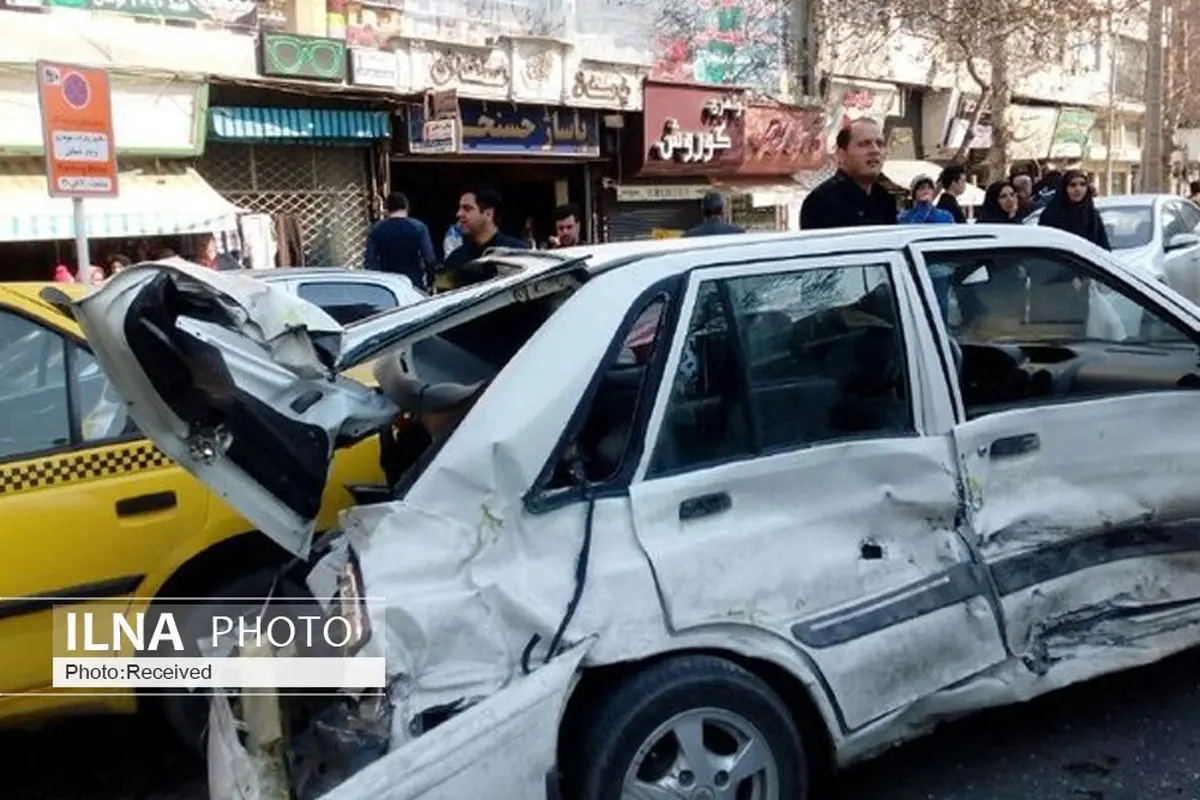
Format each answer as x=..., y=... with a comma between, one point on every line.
x=401, y=244
x=953, y=181
x=854, y=195
x=713, y=207
x=478, y=210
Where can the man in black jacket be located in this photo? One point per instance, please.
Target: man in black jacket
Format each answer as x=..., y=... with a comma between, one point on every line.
x=854, y=195
x=713, y=208
x=953, y=181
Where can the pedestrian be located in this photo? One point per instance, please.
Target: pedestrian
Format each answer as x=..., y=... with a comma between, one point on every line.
x=1073, y=209
x=712, y=206
x=923, y=210
x=566, y=226
x=117, y=262
x=953, y=181
x=63, y=274
x=1023, y=186
x=1046, y=188
x=1000, y=203
x=478, y=213
x=853, y=195
x=1194, y=192
x=400, y=244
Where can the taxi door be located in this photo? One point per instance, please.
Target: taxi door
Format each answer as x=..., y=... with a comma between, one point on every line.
x=88, y=504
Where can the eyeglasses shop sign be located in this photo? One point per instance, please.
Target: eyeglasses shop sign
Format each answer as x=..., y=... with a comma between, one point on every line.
x=373, y=68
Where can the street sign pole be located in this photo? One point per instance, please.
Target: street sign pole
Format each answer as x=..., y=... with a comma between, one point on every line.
x=81, y=242
x=77, y=134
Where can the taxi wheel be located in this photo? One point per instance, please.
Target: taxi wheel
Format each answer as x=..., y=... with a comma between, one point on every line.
x=689, y=727
x=187, y=715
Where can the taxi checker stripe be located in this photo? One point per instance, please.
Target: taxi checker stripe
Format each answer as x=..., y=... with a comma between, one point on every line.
x=78, y=467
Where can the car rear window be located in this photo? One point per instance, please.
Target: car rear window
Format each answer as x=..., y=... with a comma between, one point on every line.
x=348, y=301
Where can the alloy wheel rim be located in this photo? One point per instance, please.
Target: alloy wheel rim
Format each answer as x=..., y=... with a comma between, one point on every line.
x=703, y=754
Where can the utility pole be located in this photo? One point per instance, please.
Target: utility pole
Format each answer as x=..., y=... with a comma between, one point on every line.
x=1111, y=137
x=1152, y=146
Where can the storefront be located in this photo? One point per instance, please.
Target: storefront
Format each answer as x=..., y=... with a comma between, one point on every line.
x=158, y=127
x=535, y=156
x=305, y=171
x=691, y=136
x=785, y=155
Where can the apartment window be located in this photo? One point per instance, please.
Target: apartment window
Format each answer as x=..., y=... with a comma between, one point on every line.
x=1131, y=134
x=1131, y=67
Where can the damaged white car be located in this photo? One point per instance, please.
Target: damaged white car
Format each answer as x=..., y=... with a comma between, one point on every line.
x=713, y=513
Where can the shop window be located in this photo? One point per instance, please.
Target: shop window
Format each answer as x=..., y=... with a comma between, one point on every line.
x=744, y=214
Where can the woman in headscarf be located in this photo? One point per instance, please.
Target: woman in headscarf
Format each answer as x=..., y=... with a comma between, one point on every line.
x=1000, y=203
x=1072, y=209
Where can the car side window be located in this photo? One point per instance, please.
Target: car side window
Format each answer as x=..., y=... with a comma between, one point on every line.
x=347, y=301
x=599, y=446
x=1037, y=327
x=1172, y=221
x=102, y=412
x=786, y=360
x=1189, y=213
x=34, y=410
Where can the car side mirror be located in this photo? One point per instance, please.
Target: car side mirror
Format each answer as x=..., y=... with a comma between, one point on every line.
x=978, y=275
x=1182, y=241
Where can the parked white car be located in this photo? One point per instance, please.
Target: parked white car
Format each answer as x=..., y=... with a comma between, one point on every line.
x=1158, y=234
x=347, y=295
x=804, y=516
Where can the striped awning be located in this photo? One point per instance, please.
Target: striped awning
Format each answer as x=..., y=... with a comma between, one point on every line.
x=148, y=205
x=258, y=123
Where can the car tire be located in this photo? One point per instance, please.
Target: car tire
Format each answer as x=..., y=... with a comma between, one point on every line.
x=629, y=734
x=187, y=716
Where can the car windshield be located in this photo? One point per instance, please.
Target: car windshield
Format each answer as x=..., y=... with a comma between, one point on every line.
x=1128, y=226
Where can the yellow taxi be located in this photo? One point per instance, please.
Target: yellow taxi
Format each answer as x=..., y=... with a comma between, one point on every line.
x=92, y=509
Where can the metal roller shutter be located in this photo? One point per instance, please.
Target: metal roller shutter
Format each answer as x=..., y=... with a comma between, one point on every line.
x=631, y=221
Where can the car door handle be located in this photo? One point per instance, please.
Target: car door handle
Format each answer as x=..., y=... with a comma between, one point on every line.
x=705, y=505
x=1017, y=445
x=146, y=504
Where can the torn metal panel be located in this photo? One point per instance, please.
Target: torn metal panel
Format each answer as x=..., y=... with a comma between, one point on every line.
x=232, y=378
x=502, y=747
x=866, y=569
x=1075, y=505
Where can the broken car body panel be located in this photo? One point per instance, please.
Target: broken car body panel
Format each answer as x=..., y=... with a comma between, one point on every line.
x=868, y=567
x=233, y=379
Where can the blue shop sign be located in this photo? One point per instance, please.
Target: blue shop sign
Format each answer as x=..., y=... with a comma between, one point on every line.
x=509, y=129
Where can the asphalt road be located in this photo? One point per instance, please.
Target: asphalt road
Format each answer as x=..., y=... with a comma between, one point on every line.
x=1134, y=736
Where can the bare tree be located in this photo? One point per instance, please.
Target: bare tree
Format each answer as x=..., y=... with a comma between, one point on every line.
x=998, y=43
x=1181, y=86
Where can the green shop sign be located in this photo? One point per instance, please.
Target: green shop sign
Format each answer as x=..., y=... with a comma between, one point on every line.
x=1073, y=133
x=286, y=55
x=227, y=12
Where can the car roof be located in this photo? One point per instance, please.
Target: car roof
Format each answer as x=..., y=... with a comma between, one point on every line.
x=1132, y=199
x=290, y=273
x=602, y=257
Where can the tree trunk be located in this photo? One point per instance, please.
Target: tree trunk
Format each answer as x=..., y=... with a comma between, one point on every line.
x=998, y=158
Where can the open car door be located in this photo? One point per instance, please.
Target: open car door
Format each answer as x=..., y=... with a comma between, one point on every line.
x=242, y=383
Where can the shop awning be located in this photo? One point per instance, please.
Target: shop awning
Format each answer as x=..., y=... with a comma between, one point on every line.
x=260, y=123
x=148, y=205
x=903, y=173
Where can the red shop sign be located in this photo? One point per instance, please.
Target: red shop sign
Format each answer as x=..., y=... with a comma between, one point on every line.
x=692, y=129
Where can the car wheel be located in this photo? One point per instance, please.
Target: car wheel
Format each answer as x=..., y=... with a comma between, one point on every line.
x=694, y=727
x=187, y=715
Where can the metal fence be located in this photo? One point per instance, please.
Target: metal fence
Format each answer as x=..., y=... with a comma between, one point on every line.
x=325, y=190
